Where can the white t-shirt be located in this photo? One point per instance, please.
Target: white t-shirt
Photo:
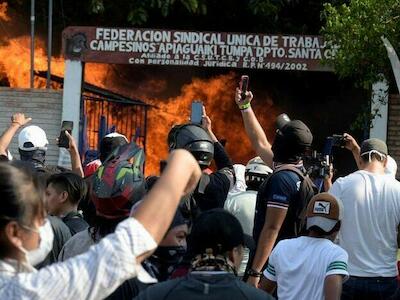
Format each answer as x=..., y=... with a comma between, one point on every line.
x=369, y=227
x=299, y=266
x=243, y=206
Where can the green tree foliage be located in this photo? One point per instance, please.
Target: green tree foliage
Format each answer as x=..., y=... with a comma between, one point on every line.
x=356, y=28
x=138, y=11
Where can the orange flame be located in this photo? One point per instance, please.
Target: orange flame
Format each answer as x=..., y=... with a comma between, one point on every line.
x=217, y=94
x=3, y=12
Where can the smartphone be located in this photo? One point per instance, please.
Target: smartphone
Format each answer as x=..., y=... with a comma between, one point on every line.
x=63, y=141
x=244, y=84
x=197, y=112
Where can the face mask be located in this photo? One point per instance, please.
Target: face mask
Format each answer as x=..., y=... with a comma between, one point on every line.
x=167, y=258
x=38, y=255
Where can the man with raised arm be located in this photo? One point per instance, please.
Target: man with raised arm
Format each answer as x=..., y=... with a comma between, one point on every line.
x=279, y=201
x=96, y=273
x=369, y=230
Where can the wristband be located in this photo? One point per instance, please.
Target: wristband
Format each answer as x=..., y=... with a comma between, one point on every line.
x=244, y=106
x=253, y=273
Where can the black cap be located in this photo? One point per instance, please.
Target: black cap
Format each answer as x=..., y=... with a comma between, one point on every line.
x=218, y=230
x=291, y=141
x=373, y=145
x=298, y=133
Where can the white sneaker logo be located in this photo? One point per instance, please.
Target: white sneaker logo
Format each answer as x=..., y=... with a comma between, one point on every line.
x=322, y=207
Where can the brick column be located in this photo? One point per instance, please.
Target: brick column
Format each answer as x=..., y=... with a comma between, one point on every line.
x=393, y=134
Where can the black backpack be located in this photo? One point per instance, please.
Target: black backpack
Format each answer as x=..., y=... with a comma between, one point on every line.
x=307, y=191
x=297, y=209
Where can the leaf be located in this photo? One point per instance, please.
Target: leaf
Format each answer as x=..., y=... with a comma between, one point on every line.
x=138, y=16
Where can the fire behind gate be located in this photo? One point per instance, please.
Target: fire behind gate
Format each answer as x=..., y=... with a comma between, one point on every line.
x=102, y=112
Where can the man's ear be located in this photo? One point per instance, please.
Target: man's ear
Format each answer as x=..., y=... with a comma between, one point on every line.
x=13, y=233
x=385, y=161
x=63, y=197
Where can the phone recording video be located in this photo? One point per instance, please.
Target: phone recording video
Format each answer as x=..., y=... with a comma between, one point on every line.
x=63, y=141
x=197, y=112
x=244, y=84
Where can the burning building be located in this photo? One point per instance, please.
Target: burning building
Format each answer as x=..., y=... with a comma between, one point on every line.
x=318, y=98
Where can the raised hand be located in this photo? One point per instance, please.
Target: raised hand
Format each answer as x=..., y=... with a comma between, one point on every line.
x=20, y=119
x=243, y=103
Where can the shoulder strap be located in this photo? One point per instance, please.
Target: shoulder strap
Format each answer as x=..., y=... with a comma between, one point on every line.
x=203, y=183
x=307, y=190
x=290, y=168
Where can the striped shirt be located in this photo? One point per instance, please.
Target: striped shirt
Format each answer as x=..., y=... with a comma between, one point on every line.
x=299, y=266
x=92, y=275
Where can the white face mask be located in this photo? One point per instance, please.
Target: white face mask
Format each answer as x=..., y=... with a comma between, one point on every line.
x=38, y=255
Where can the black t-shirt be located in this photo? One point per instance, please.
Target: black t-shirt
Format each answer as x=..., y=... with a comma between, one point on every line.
x=213, y=189
x=216, y=189
x=281, y=190
x=75, y=222
x=203, y=286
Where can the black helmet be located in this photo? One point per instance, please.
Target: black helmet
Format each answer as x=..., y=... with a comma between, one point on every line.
x=195, y=139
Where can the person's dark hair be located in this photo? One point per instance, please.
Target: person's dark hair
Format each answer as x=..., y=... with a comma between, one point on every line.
x=3, y=157
x=20, y=200
x=321, y=233
x=71, y=183
x=374, y=156
x=102, y=227
x=109, y=144
x=215, y=229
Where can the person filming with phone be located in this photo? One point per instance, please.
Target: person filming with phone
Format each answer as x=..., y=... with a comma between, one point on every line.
x=279, y=201
x=199, y=139
x=33, y=145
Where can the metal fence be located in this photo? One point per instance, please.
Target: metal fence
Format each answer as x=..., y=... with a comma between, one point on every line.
x=103, y=115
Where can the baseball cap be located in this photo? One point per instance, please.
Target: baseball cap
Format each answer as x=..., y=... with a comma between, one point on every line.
x=298, y=132
x=32, y=138
x=324, y=211
x=291, y=141
x=218, y=230
x=373, y=145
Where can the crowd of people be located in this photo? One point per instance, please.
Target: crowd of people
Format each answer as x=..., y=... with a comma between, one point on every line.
x=197, y=230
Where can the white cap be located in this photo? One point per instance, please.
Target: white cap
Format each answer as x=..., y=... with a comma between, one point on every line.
x=391, y=166
x=116, y=134
x=34, y=135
